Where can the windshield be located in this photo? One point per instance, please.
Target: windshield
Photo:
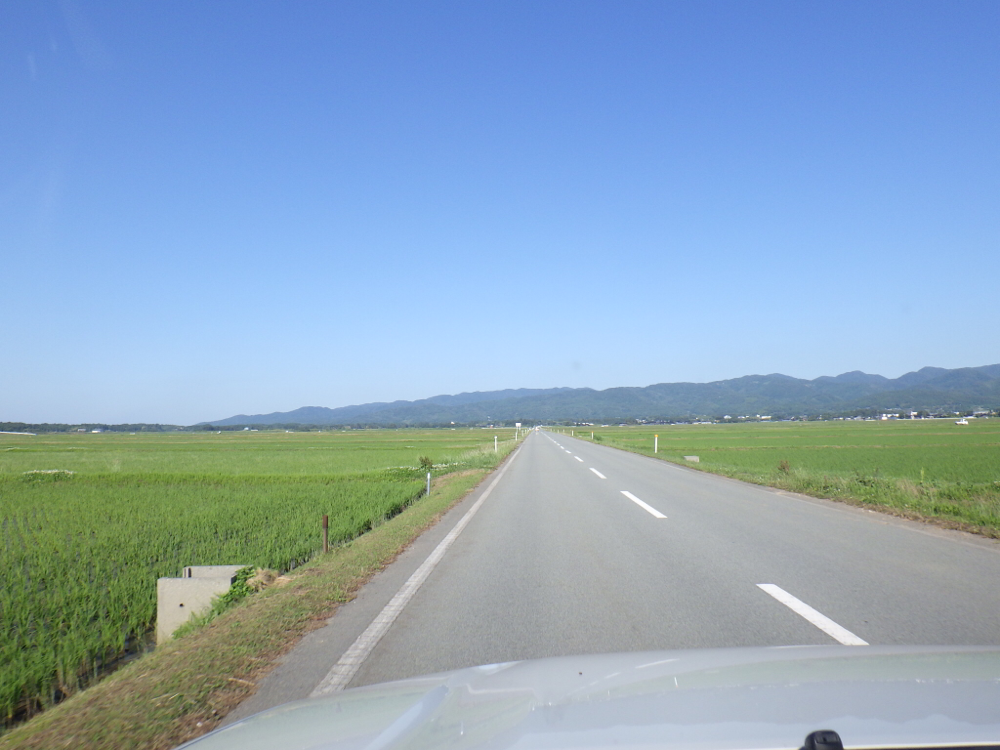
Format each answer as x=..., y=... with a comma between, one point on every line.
x=349, y=343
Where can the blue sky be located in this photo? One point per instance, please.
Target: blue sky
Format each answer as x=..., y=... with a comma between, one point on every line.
x=218, y=208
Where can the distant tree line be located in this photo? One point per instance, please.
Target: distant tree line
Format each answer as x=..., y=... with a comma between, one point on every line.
x=26, y=427
x=301, y=427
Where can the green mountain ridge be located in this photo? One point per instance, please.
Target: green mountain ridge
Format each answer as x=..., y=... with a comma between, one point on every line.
x=931, y=389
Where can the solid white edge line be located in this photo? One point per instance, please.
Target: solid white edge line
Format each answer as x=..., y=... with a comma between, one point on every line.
x=818, y=619
x=598, y=473
x=344, y=670
x=648, y=508
x=578, y=459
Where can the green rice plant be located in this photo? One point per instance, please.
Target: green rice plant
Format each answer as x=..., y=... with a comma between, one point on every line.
x=89, y=522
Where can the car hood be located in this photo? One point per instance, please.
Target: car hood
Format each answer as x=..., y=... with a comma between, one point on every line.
x=721, y=698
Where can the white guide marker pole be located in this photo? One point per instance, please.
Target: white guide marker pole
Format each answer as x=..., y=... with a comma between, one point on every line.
x=656, y=443
x=495, y=449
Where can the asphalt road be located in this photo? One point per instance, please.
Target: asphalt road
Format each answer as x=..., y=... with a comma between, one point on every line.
x=559, y=560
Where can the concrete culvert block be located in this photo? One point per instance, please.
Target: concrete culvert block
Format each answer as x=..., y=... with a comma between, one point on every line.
x=212, y=571
x=180, y=599
x=692, y=459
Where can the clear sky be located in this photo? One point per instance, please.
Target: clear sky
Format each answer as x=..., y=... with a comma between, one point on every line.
x=218, y=208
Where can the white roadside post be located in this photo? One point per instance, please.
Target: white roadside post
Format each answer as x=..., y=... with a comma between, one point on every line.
x=428, y=483
x=495, y=449
x=656, y=443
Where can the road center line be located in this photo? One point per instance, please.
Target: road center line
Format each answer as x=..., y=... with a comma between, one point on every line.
x=648, y=508
x=578, y=459
x=598, y=473
x=345, y=669
x=818, y=619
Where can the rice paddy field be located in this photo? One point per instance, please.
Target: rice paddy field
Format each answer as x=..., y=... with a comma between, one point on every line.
x=88, y=522
x=932, y=468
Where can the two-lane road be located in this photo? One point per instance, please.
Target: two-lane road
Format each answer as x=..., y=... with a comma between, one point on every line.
x=578, y=548
x=586, y=549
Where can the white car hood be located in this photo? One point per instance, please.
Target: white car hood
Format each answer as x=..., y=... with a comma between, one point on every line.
x=720, y=698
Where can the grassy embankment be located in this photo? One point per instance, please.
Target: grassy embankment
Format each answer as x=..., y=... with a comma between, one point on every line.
x=85, y=550
x=928, y=469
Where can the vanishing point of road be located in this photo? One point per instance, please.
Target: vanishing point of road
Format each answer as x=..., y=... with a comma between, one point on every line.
x=576, y=548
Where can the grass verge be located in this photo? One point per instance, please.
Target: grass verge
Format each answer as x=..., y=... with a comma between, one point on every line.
x=184, y=688
x=974, y=508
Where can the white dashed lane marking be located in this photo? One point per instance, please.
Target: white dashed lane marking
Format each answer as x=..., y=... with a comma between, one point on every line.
x=821, y=621
x=648, y=508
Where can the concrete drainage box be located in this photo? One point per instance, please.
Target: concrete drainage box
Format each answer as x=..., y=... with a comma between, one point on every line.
x=179, y=599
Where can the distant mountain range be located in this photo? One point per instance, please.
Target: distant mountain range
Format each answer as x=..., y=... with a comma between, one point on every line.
x=932, y=389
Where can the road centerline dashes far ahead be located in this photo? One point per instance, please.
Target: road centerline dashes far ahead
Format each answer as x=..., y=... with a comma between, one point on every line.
x=598, y=473
x=818, y=619
x=578, y=459
x=648, y=508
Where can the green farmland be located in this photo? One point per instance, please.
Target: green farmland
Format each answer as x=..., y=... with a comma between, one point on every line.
x=928, y=468
x=88, y=522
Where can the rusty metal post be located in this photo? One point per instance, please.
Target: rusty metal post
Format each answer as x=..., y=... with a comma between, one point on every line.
x=326, y=533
